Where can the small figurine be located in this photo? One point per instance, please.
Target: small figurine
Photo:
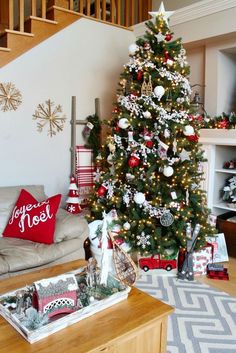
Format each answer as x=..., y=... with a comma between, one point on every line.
x=229, y=164
x=92, y=278
x=20, y=301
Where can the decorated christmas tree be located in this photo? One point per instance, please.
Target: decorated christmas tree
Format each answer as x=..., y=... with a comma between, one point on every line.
x=72, y=201
x=149, y=170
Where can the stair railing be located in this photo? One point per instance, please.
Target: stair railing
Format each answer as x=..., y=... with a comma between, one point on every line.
x=126, y=13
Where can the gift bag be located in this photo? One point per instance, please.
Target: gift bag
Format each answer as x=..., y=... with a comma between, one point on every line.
x=220, y=253
x=201, y=258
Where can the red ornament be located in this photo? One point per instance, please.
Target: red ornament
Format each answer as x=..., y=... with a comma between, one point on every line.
x=117, y=128
x=146, y=46
x=139, y=75
x=168, y=37
x=168, y=58
x=102, y=190
x=134, y=161
x=223, y=124
x=166, y=54
x=149, y=144
x=135, y=93
x=192, y=138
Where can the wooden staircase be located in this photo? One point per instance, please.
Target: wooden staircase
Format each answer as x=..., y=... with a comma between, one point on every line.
x=19, y=32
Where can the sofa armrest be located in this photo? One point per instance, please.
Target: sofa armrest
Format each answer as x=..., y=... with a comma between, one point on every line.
x=70, y=226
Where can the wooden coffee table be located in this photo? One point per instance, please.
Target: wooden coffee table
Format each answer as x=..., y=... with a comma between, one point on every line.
x=135, y=325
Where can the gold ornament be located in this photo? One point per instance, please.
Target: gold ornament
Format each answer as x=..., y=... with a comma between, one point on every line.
x=146, y=88
x=10, y=97
x=47, y=114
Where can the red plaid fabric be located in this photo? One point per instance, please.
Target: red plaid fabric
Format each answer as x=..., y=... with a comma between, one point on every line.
x=84, y=171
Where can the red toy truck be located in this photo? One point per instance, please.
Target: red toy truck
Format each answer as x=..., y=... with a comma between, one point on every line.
x=153, y=262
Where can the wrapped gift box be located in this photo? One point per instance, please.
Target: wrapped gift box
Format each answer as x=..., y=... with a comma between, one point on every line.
x=201, y=258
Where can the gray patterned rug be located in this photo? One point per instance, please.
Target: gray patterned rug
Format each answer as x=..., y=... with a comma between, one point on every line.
x=204, y=320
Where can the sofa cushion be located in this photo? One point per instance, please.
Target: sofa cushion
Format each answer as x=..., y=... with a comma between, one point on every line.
x=17, y=254
x=33, y=220
x=69, y=226
x=9, y=196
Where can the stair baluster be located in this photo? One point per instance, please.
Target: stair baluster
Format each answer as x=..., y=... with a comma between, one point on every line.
x=11, y=15
x=33, y=8
x=21, y=15
x=88, y=5
x=44, y=8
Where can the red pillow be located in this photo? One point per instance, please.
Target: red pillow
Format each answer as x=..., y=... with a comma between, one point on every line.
x=33, y=220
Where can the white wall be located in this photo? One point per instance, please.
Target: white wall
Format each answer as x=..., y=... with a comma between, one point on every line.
x=227, y=81
x=83, y=60
x=196, y=60
x=220, y=76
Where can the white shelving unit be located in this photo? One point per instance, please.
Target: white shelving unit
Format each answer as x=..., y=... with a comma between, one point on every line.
x=219, y=147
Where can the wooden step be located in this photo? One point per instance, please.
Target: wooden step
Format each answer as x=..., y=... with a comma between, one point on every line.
x=4, y=49
x=41, y=28
x=34, y=24
x=64, y=17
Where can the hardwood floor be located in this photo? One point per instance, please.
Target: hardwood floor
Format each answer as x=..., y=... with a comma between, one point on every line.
x=226, y=286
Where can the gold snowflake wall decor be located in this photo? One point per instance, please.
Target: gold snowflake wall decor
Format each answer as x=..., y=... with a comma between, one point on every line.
x=10, y=97
x=46, y=113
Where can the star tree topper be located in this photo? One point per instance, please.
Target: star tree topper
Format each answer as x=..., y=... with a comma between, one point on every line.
x=162, y=12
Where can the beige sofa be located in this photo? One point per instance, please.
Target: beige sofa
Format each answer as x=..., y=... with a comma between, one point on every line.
x=18, y=255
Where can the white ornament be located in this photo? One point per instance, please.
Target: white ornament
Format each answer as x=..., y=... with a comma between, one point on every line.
x=123, y=123
x=111, y=147
x=187, y=197
x=159, y=91
x=160, y=37
x=184, y=155
x=139, y=198
x=170, y=62
x=173, y=195
x=188, y=130
x=147, y=115
x=168, y=171
x=126, y=225
x=143, y=240
x=129, y=176
x=110, y=158
x=130, y=136
x=175, y=146
x=166, y=219
x=167, y=133
x=133, y=48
